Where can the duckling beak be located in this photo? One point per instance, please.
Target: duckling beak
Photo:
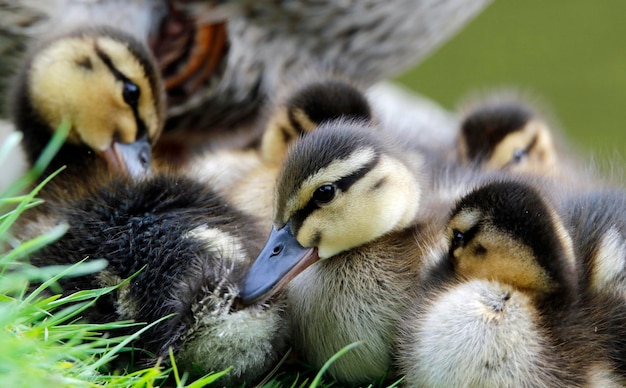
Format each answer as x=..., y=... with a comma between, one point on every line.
x=281, y=260
x=132, y=158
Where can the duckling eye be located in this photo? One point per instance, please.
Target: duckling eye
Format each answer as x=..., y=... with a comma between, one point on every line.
x=131, y=93
x=518, y=155
x=458, y=239
x=324, y=194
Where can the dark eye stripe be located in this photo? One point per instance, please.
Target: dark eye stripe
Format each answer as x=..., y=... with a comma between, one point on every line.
x=532, y=144
x=346, y=182
x=467, y=237
x=343, y=184
x=142, y=129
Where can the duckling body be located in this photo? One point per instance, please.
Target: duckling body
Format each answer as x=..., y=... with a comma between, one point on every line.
x=598, y=227
x=506, y=309
x=482, y=333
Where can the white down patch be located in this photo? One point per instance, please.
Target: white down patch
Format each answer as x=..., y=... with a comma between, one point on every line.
x=609, y=264
x=220, y=242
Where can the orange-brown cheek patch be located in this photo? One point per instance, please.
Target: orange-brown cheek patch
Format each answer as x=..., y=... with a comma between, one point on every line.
x=508, y=262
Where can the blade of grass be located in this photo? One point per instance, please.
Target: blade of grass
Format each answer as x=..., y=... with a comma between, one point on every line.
x=95, y=265
x=112, y=353
x=27, y=247
x=318, y=378
x=8, y=221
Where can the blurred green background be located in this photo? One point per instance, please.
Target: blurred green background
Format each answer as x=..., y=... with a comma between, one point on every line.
x=572, y=54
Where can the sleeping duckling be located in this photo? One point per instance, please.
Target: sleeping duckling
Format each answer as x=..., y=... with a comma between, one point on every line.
x=347, y=199
x=505, y=133
x=513, y=316
x=106, y=85
x=190, y=250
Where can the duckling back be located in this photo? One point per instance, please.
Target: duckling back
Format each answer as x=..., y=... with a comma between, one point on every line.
x=598, y=227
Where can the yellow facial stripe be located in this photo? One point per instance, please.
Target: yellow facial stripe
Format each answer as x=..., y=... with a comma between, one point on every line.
x=505, y=150
x=57, y=91
x=305, y=122
x=331, y=173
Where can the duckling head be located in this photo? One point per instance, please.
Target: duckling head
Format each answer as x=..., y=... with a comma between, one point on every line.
x=104, y=83
x=309, y=107
x=505, y=231
x=506, y=135
x=340, y=187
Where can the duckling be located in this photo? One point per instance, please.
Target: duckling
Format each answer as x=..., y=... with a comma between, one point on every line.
x=509, y=312
x=187, y=246
x=502, y=132
x=227, y=57
x=105, y=84
x=189, y=250
x=345, y=239
x=489, y=334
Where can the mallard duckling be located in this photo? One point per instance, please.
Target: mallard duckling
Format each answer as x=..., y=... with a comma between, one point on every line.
x=105, y=84
x=504, y=133
x=190, y=250
x=505, y=231
x=347, y=199
x=514, y=314
x=189, y=247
